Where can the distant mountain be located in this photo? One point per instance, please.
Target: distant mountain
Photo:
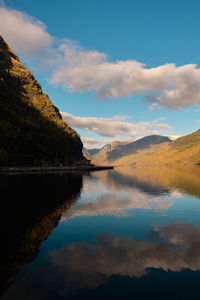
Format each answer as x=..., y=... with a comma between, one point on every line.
x=93, y=151
x=30, y=125
x=184, y=150
x=86, y=153
x=111, y=153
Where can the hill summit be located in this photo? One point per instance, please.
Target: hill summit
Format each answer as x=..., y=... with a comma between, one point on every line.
x=30, y=125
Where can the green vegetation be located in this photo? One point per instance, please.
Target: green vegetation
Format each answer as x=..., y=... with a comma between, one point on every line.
x=31, y=126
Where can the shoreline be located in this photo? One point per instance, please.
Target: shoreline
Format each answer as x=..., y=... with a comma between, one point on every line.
x=49, y=170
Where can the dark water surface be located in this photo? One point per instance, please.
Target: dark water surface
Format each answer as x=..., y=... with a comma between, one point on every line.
x=123, y=233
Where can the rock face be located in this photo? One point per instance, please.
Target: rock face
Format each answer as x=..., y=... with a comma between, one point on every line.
x=31, y=127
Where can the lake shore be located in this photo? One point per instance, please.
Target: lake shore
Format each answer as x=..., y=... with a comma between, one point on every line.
x=45, y=170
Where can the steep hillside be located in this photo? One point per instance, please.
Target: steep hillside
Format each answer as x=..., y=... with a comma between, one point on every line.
x=30, y=125
x=140, y=155
x=111, y=153
x=184, y=150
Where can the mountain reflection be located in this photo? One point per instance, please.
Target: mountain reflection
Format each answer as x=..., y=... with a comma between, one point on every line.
x=83, y=265
x=31, y=207
x=158, y=180
x=145, y=246
x=116, y=192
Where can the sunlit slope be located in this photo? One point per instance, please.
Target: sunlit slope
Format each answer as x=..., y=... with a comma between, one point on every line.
x=140, y=155
x=29, y=122
x=184, y=150
x=112, y=153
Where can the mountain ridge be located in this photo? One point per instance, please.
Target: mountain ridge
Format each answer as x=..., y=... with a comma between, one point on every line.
x=109, y=153
x=145, y=151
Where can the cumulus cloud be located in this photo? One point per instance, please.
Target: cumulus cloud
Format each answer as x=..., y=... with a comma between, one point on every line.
x=172, y=86
x=27, y=35
x=81, y=70
x=115, y=126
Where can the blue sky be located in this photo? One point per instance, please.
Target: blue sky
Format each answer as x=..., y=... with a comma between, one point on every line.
x=108, y=64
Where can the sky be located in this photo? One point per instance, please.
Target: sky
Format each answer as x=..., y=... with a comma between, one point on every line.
x=116, y=69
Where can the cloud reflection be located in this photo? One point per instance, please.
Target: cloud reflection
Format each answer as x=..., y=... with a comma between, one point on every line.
x=80, y=266
x=175, y=247
x=99, y=199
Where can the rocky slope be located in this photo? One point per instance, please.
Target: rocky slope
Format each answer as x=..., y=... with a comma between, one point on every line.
x=30, y=125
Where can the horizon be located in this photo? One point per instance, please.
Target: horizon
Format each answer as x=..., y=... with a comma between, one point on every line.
x=144, y=57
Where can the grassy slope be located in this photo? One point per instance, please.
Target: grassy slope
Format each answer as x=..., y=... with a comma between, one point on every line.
x=185, y=150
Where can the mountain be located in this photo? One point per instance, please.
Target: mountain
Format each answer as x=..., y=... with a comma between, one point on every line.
x=86, y=154
x=93, y=151
x=184, y=150
x=31, y=127
x=111, y=153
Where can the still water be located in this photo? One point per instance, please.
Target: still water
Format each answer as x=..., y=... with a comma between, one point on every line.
x=125, y=233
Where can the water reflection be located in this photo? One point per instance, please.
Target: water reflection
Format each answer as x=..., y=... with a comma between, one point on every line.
x=129, y=233
x=162, y=179
x=116, y=192
x=31, y=207
x=82, y=265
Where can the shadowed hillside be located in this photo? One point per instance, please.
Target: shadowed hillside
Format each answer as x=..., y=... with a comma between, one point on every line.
x=30, y=125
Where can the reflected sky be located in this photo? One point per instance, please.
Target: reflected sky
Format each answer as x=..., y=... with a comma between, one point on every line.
x=128, y=231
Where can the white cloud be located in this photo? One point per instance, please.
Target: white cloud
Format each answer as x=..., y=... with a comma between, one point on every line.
x=27, y=35
x=97, y=143
x=172, y=86
x=81, y=70
x=154, y=107
x=92, y=142
x=116, y=126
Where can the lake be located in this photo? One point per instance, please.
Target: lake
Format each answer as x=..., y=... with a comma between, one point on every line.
x=131, y=233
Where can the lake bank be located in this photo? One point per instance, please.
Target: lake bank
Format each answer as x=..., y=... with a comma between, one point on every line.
x=48, y=170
